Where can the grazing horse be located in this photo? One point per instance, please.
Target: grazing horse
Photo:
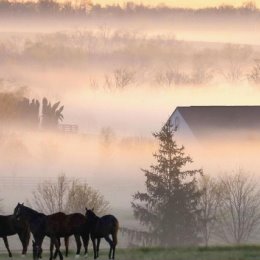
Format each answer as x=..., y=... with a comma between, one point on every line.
x=54, y=226
x=9, y=226
x=102, y=228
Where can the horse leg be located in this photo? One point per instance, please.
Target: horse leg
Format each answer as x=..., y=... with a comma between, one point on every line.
x=7, y=246
x=57, y=245
x=110, y=242
x=51, y=248
x=56, y=251
x=78, y=242
x=114, y=238
x=25, y=239
x=66, y=242
x=98, y=243
x=85, y=239
x=38, y=242
x=94, y=247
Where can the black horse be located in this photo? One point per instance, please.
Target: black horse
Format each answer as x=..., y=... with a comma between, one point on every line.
x=41, y=225
x=9, y=226
x=102, y=228
x=55, y=226
x=78, y=230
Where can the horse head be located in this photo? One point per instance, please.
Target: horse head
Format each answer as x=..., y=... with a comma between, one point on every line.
x=17, y=210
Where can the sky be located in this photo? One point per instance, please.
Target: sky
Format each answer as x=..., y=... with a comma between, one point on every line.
x=180, y=3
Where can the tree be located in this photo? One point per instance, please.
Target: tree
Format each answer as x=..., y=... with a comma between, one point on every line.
x=239, y=213
x=67, y=195
x=169, y=207
x=82, y=195
x=254, y=75
x=209, y=204
x=51, y=114
x=50, y=197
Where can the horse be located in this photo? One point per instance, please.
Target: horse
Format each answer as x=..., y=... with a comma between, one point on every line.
x=83, y=233
x=54, y=226
x=102, y=227
x=41, y=225
x=9, y=226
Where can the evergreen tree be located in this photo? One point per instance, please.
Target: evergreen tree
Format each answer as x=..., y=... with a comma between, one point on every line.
x=169, y=207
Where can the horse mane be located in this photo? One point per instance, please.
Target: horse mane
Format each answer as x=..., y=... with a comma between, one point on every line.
x=32, y=211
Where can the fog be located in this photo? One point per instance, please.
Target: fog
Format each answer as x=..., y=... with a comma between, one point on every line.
x=125, y=81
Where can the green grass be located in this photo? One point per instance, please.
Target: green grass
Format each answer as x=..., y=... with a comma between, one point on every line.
x=198, y=253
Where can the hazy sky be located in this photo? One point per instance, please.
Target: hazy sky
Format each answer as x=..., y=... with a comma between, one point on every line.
x=180, y=3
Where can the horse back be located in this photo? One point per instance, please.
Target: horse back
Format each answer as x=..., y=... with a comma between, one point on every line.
x=9, y=225
x=106, y=225
x=62, y=225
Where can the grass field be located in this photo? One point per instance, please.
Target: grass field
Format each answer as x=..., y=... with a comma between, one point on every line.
x=211, y=253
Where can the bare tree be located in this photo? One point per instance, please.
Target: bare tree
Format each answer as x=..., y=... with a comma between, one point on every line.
x=239, y=212
x=254, y=75
x=236, y=56
x=209, y=203
x=81, y=196
x=123, y=77
x=67, y=195
x=50, y=197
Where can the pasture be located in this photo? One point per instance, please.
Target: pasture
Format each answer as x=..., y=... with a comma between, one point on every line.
x=198, y=253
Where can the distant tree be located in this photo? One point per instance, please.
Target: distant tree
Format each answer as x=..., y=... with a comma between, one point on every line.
x=81, y=195
x=209, y=204
x=14, y=108
x=254, y=75
x=169, y=207
x=123, y=77
x=50, y=197
x=51, y=114
x=67, y=195
x=238, y=216
x=29, y=112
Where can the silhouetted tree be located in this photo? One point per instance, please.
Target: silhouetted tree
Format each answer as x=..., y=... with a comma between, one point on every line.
x=169, y=207
x=209, y=204
x=17, y=109
x=51, y=114
x=81, y=195
x=238, y=217
x=254, y=75
x=29, y=111
x=67, y=195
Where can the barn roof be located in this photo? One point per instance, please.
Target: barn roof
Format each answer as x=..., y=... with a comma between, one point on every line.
x=202, y=119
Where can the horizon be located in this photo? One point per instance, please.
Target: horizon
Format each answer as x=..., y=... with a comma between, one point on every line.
x=196, y=4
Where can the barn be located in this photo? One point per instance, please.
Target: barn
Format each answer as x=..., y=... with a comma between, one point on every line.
x=198, y=123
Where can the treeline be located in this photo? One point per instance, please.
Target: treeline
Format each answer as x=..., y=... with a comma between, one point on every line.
x=136, y=59
x=86, y=8
x=18, y=110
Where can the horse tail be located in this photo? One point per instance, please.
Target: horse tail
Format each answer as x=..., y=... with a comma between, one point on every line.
x=114, y=235
x=27, y=234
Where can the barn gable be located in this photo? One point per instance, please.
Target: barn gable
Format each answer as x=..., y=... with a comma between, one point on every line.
x=203, y=121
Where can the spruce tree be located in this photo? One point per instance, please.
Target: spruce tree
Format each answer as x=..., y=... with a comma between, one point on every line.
x=169, y=207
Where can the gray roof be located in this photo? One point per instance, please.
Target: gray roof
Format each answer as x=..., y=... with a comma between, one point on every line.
x=203, y=119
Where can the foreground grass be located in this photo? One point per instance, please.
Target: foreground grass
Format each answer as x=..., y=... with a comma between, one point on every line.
x=199, y=253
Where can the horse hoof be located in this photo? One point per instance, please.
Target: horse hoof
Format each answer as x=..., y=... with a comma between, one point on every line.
x=23, y=255
x=86, y=255
x=77, y=256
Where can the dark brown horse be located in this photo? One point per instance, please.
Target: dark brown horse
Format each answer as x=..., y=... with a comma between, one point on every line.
x=9, y=226
x=55, y=226
x=102, y=228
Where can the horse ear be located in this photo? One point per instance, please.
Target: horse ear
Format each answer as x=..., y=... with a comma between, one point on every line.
x=86, y=209
x=93, y=209
x=23, y=203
